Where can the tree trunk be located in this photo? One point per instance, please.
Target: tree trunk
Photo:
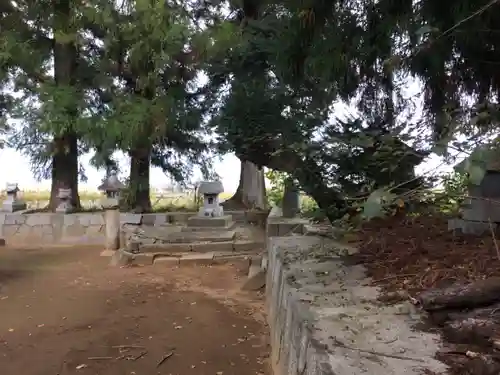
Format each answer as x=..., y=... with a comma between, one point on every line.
x=251, y=192
x=477, y=294
x=65, y=170
x=139, y=199
x=65, y=144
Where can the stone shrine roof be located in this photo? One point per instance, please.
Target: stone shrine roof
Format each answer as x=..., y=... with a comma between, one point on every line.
x=211, y=187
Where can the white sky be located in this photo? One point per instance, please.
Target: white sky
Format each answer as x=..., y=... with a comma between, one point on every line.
x=16, y=168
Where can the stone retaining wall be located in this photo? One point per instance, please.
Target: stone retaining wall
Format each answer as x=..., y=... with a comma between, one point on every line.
x=325, y=319
x=19, y=228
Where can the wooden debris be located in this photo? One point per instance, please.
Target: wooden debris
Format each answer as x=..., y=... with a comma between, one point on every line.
x=464, y=296
x=165, y=357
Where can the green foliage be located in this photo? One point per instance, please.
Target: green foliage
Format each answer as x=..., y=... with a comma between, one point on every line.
x=453, y=194
x=124, y=77
x=277, y=187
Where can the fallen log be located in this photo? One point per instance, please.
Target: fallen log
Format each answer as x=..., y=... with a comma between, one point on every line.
x=440, y=317
x=469, y=296
x=471, y=363
x=479, y=330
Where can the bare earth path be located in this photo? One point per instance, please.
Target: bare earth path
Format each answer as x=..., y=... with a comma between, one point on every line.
x=63, y=311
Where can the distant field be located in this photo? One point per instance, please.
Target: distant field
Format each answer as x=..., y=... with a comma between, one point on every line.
x=38, y=199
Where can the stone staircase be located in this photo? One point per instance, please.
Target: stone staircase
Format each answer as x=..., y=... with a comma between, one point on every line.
x=203, y=241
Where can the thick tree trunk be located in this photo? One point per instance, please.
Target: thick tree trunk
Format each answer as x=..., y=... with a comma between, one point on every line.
x=65, y=170
x=305, y=170
x=139, y=199
x=477, y=294
x=251, y=192
x=65, y=144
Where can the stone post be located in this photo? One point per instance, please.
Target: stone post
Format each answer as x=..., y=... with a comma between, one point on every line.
x=112, y=188
x=291, y=202
x=12, y=203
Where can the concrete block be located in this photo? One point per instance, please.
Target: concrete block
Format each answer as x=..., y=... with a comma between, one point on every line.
x=211, y=246
x=166, y=260
x=143, y=259
x=207, y=222
x=204, y=229
x=243, y=245
x=280, y=227
x=476, y=227
x=130, y=218
x=197, y=259
x=180, y=217
x=206, y=236
x=312, y=297
x=166, y=248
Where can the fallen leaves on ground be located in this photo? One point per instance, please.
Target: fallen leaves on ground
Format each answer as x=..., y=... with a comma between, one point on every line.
x=417, y=253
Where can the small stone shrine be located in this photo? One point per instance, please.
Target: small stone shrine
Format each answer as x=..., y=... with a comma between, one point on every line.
x=481, y=209
x=12, y=203
x=211, y=205
x=211, y=214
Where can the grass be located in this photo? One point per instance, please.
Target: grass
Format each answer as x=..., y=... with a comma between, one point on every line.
x=37, y=200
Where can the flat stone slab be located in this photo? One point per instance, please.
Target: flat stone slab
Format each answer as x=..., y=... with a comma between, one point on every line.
x=206, y=236
x=212, y=229
x=237, y=246
x=208, y=222
x=205, y=259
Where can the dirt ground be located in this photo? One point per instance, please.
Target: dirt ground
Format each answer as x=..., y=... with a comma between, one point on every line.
x=64, y=311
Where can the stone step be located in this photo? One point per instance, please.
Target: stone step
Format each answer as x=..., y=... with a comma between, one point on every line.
x=202, y=247
x=123, y=257
x=230, y=226
x=211, y=258
x=210, y=222
x=202, y=236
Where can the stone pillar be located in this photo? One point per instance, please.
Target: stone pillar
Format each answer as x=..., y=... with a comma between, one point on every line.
x=112, y=222
x=112, y=188
x=12, y=203
x=291, y=202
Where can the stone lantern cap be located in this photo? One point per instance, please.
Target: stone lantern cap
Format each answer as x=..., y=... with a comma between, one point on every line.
x=11, y=187
x=112, y=184
x=211, y=188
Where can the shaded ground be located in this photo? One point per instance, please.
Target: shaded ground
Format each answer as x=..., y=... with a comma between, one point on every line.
x=64, y=312
x=414, y=254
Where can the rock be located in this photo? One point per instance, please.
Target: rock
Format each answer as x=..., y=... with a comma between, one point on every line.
x=256, y=277
x=121, y=258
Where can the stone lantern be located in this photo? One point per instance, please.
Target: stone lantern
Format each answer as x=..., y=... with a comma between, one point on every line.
x=211, y=205
x=12, y=203
x=65, y=205
x=112, y=187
